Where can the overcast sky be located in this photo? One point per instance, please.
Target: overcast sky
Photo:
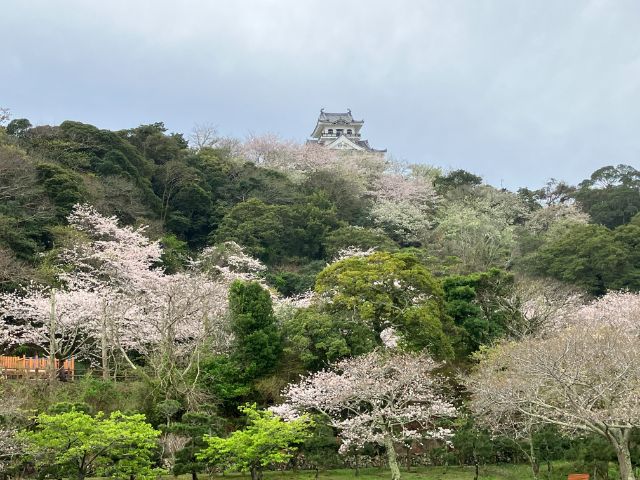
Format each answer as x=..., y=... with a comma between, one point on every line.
x=514, y=90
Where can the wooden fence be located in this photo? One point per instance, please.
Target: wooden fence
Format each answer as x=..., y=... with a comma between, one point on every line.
x=19, y=367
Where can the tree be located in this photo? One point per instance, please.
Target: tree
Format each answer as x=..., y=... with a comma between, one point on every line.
x=77, y=444
x=404, y=206
x=193, y=426
x=592, y=257
x=471, y=444
x=116, y=301
x=257, y=341
x=345, y=193
x=18, y=126
x=5, y=115
x=267, y=440
x=204, y=135
x=359, y=237
x=478, y=239
x=256, y=226
x=611, y=196
x=379, y=397
x=256, y=346
x=317, y=338
x=475, y=303
x=382, y=290
x=112, y=266
x=12, y=270
x=171, y=316
x=583, y=375
x=63, y=186
x=456, y=179
x=533, y=304
x=57, y=323
x=274, y=232
x=170, y=178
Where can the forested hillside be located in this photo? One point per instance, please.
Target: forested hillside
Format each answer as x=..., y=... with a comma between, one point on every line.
x=194, y=279
x=295, y=207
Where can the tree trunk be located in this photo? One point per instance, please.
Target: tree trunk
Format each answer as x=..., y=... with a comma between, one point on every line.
x=104, y=347
x=619, y=439
x=194, y=475
x=476, y=463
x=624, y=460
x=256, y=473
x=392, y=458
x=535, y=466
x=52, y=338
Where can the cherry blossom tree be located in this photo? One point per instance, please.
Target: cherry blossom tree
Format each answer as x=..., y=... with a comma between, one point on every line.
x=542, y=220
x=381, y=397
x=583, y=375
x=57, y=322
x=181, y=315
x=113, y=254
x=297, y=161
x=404, y=205
x=536, y=304
x=228, y=261
x=269, y=150
x=114, y=265
x=115, y=300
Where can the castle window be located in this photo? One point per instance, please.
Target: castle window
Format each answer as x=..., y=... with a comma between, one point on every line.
x=339, y=131
x=330, y=131
x=349, y=132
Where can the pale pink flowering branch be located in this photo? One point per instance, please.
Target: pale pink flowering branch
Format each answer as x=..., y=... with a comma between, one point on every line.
x=378, y=397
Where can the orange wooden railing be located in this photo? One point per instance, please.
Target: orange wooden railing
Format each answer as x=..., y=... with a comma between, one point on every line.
x=36, y=366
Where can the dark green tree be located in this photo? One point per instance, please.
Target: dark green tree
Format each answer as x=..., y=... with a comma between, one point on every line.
x=256, y=349
x=18, y=127
x=194, y=426
x=456, y=179
x=611, y=196
x=473, y=302
x=320, y=450
x=318, y=338
x=63, y=186
x=592, y=257
x=257, y=340
x=256, y=226
x=360, y=237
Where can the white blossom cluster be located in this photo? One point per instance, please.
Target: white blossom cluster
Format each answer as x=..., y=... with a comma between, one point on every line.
x=375, y=398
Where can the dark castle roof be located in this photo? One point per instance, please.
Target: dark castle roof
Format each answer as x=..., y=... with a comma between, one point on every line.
x=327, y=117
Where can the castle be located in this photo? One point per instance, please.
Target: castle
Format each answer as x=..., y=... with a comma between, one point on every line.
x=339, y=131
